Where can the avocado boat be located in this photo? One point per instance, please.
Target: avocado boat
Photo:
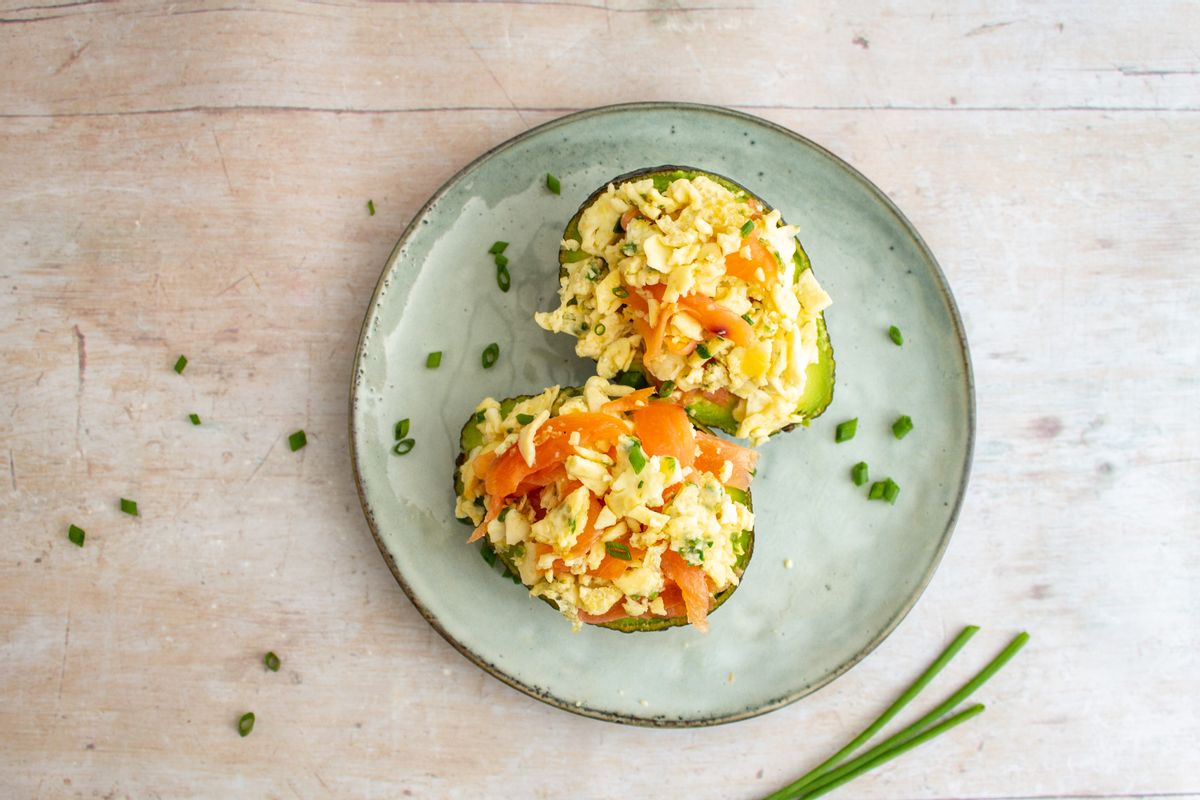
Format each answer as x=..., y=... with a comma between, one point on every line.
x=622, y=529
x=749, y=373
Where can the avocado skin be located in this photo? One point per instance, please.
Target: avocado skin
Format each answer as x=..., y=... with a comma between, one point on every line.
x=818, y=391
x=470, y=433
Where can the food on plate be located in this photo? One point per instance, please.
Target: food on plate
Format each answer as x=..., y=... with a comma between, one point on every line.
x=609, y=503
x=688, y=278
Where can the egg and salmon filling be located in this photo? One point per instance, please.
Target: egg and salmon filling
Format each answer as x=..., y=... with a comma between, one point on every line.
x=702, y=288
x=608, y=501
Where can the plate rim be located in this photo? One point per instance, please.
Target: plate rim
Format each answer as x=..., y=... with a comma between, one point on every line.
x=660, y=721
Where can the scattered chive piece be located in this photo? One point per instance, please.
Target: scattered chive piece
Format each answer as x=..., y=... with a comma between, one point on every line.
x=618, y=550
x=747, y=228
x=497, y=248
x=666, y=389
x=524, y=419
x=503, y=279
x=746, y=317
x=703, y=351
x=891, y=490
x=180, y=365
x=621, y=292
x=858, y=473
x=490, y=354
x=129, y=507
x=601, y=328
x=371, y=207
x=272, y=661
x=637, y=459
x=401, y=430
x=195, y=418
x=896, y=336
x=902, y=426
x=404, y=447
x=433, y=360
x=501, y=260
x=628, y=249
x=488, y=553
x=297, y=440
x=846, y=430
x=876, y=490
x=504, y=513
x=76, y=534
x=552, y=184
x=246, y=724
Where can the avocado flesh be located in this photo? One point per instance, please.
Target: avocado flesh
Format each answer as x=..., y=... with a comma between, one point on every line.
x=471, y=437
x=818, y=388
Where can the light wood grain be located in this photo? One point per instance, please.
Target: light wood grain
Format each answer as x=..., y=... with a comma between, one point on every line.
x=193, y=178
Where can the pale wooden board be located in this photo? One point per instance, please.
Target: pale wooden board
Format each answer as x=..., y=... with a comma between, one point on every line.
x=237, y=233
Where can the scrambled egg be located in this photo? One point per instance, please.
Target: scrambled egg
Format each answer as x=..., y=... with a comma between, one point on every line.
x=679, y=240
x=647, y=504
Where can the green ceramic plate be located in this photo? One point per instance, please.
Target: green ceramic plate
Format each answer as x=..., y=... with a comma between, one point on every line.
x=858, y=566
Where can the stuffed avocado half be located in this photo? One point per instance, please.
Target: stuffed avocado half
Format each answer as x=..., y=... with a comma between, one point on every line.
x=693, y=281
x=609, y=503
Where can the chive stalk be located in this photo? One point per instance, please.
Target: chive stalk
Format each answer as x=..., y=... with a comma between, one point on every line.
x=896, y=336
x=747, y=228
x=618, y=550
x=129, y=507
x=433, y=360
x=180, y=365
x=553, y=184
x=297, y=440
x=858, y=473
x=246, y=724
x=902, y=426
x=401, y=429
x=490, y=354
x=404, y=447
x=195, y=418
x=271, y=661
x=846, y=430
x=76, y=534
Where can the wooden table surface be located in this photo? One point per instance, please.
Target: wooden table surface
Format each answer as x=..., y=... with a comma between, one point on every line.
x=193, y=177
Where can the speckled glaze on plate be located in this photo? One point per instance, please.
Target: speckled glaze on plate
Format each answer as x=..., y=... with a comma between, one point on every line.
x=858, y=566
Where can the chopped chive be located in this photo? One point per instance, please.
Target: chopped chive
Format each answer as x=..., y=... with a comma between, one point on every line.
x=272, y=661
x=488, y=553
x=628, y=249
x=846, y=430
x=858, y=473
x=501, y=260
x=746, y=317
x=129, y=507
x=503, y=279
x=497, y=248
x=180, y=365
x=876, y=490
x=618, y=550
x=703, y=351
x=524, y=419
x=896, y=336
x=433, y=360
x=552, y=184
x=891, y=490
x=637, y=458
x=666, y=389
x=601, y=328
x=401, y=429
x=621, y=292
x=246, y=724
x=404, y=447
x=632, y=378
x=297, y=440
x=195, y=418
x=747, y=228
x=490, y=354
x=371, y=207
x=902, y=426
x=76, y=534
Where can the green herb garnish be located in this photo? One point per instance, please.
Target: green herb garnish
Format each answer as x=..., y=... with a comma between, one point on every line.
x=401, y=429
x=488, y=553
x=497, y=248
x=297, y=440
x=618, y=550
x=601, y=328
x=272, y=661
x=846, y=430
x=524, y=419
x=76, y=534
x=896, y=336
x=637, y=458
x=552, y=184
x=621, y=292
x=246, y=724
x=180, y=365
x=666, y=389
x=891, y=490
x=703, y=351
x=404, y=447
x=504, y=513
x=876, y=490
x=628, y=249
x=746, y=317
x=371, y=207
x=501, y=260
x=490, y=354
x=195, y=418
x=902, y=426
x=858, y=473
x=129, y=507
x=632, y=378
x=747, y=228
x=503, y=278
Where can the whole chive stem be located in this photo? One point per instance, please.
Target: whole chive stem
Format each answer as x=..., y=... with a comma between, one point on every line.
x=831, y=783
x=895, y=708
